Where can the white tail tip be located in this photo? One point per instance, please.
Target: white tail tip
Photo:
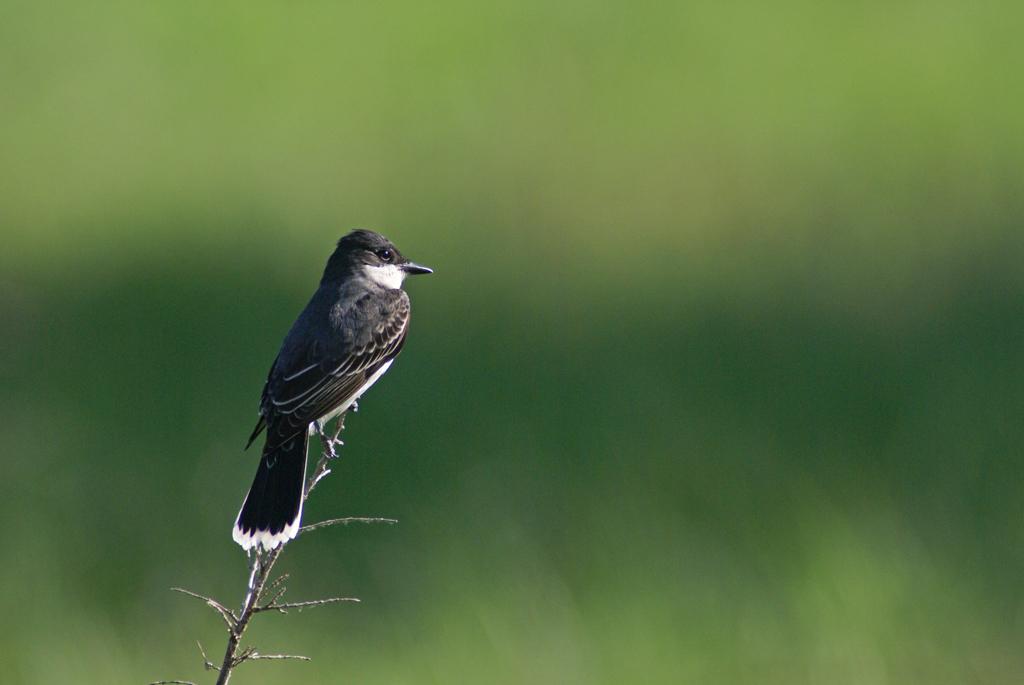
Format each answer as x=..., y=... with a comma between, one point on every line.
x=264, y=538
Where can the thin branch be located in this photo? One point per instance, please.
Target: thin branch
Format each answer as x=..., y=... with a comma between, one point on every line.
x=262, y=563
x=273, y=600
x=259, y=586
x=345, y=521
x=275, y=584
x=327, y=454
x=229, y=618
x=321, y=473
x=283, y=608
x=297, y=657
x=207, y=664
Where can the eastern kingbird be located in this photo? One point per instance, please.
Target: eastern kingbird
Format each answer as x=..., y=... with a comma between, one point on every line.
x=343, y=341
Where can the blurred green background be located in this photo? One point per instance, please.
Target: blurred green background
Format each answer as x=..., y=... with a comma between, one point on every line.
x=719, y=380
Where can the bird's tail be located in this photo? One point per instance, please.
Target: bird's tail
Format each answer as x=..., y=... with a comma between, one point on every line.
x=271, y=511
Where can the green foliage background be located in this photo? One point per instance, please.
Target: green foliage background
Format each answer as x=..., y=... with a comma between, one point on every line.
x=719, y=380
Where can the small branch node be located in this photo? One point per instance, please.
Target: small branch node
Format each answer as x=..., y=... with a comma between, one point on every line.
x=207, y=664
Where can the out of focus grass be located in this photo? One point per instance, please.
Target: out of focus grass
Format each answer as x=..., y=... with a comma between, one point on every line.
x=719, y=379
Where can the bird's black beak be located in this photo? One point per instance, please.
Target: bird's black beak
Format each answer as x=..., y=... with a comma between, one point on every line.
x=412, y=269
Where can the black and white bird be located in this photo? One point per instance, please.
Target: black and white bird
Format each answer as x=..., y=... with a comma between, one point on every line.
x=342, y=343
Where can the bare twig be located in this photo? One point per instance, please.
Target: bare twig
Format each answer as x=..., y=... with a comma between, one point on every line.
x=262, y=563
x=327, y=454
x=273, y=600
x=318, y=476
x=283, y=608
x=271, y=587
x=229, y=618
x=207, y=664
x=259, y=586
x=297, y=657
x=345, y=521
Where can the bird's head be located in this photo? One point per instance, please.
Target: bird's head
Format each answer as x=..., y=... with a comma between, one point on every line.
x=374, y=256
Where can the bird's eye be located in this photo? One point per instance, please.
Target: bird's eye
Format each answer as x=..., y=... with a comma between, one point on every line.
x=385, y=255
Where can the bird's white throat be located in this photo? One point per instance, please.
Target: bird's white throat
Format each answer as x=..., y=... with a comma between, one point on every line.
x=386, y=275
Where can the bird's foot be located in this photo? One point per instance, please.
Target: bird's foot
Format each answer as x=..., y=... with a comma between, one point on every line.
x=330, y=443
x=339, y=426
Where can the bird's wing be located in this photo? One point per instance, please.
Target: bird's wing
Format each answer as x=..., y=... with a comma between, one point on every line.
x=327, y=374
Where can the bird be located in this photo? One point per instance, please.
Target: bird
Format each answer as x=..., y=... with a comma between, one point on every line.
x=344, y=340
